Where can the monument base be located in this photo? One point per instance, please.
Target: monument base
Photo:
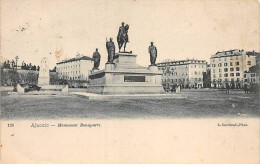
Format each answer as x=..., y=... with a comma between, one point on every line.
x=153, y=68
x=55, y=88
x=126, y=77
x=110, y=66
x=123, y=89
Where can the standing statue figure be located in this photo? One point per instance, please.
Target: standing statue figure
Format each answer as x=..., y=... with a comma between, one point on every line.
x=122, y=37
x=96, y=59
x=153, y=53
x=110, y=50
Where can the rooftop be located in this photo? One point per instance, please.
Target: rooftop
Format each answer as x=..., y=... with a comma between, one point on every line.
x=234, y=52
x=184, y=61
x=76, y=59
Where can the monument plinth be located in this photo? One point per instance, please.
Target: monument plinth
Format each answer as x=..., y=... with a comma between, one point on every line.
x=125, y=77
x=110, y=66
x=44, y=80
x=44, y=74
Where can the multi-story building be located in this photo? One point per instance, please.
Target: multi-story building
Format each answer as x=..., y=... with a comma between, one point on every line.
x=77, y=68
x=183, y=72
x=228, y=67
x=252, y=75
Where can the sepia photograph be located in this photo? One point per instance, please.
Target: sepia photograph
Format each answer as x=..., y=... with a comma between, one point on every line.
x=126, y=82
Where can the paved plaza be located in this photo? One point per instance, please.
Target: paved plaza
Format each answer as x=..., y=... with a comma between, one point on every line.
x=200, y=103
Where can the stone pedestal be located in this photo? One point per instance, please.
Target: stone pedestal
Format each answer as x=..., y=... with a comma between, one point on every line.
x=178, y=89
x=44, y=74
x=125, y=77
x=65, y=89
x=19, y=89
x=110, y=66
x=44, y=80
x=153, y=68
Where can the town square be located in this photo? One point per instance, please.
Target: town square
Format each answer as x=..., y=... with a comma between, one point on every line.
x=227, y=86
x=129, y=82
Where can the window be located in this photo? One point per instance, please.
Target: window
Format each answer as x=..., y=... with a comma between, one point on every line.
x=219, y=65
x=226, y=69
x=237, y=68
x=219, y=75
x=248, y=62
x=214, y=75
x=195, y=72
x=194, y=66
x=237, y=63
x=253, y=75
x=213, y=65
x=231, y=74
x=225, y=75
x=219, y=70
x=237, y=74
x=199, y=79
x=213, y=70
x=195, y=79
x=225, y=64
x=244, y=75
x=231, y=69
x=231, y=64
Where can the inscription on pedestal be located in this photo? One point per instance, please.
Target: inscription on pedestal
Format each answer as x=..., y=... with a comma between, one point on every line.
x=134, y=78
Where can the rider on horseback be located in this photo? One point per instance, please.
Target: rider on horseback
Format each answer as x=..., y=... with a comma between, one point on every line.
x=122, y=37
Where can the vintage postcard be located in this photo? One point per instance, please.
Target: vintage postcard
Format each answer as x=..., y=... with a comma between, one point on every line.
x=127, y=82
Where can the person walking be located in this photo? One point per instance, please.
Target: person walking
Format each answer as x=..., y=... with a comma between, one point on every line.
x=246, y=88
x=227, y=89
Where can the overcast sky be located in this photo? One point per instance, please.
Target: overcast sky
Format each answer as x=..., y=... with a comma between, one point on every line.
x=179, y=29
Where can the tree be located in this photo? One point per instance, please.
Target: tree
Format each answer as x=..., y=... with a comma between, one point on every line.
x=33, y=68
x=32, y=78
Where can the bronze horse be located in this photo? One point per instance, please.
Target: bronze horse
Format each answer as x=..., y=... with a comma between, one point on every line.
x=122, y=38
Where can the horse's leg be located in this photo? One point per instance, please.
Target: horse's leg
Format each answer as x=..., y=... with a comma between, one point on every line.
x=124, y=46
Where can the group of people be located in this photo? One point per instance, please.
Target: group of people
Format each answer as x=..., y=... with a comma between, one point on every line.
x=248, y=88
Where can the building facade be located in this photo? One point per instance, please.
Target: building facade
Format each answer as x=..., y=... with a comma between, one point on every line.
x=187, y=73
x=252, y=75
x=228, y=67
x=75, y=69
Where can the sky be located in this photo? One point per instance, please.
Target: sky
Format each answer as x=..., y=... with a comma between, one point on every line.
x=180, y=29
